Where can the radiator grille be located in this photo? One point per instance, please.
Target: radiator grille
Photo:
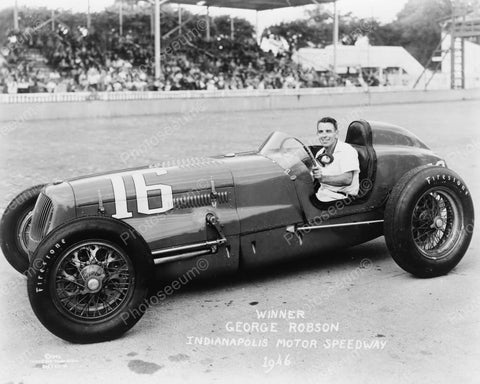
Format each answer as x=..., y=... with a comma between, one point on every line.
x=42, y=215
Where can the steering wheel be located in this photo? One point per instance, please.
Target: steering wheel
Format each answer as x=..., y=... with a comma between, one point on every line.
x=309, y=152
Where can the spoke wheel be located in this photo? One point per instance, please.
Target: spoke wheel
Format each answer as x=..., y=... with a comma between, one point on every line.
x=87, y=285
x=23, y=231
x=92, y=280
x=436, y=223
x=15, y=228
x=429, y=221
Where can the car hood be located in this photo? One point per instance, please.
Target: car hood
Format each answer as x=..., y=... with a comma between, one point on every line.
x=194, y=174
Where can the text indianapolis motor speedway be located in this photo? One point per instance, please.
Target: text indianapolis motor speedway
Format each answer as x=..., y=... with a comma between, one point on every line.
x=334, y=344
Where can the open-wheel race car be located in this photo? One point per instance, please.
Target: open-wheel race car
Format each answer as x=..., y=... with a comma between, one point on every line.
x=91, y=246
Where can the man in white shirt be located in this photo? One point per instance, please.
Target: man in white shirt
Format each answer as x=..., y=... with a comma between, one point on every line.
x=338, y=168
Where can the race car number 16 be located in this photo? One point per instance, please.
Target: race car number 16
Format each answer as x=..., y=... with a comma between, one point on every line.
x=141, y=191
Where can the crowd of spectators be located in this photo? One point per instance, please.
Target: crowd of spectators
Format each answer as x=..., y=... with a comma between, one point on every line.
x=76, y=61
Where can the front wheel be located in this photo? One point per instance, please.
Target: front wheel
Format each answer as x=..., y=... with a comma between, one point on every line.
x=429, y=221
x=89, y=283
x=15, y=228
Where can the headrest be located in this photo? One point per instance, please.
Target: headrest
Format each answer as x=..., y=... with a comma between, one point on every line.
x=359, y=133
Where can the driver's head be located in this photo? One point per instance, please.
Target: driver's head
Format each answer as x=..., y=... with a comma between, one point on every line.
x=327, y=131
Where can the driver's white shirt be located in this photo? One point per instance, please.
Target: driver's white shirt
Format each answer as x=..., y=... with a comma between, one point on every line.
x=345, y=159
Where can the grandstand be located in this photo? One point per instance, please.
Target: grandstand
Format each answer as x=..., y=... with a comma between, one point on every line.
x=74, y=59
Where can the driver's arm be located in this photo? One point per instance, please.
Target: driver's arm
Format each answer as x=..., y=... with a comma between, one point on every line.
x=341, y=180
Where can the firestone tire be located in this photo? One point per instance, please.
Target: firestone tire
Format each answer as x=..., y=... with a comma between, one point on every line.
x=89, y=280
x=15, y=226
x=429, y=221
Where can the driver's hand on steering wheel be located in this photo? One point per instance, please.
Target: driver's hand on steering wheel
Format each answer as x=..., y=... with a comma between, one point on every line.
x=317, y=173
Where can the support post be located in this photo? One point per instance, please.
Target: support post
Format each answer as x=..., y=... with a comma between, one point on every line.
x=335, y=39
x=15, y=16
x=152, y=20
x=179, y=21
x=53, y=20
x=120, y=16
x=207, y=19
x=89, y=20
x=157, y=40
x=232, y=28
x=257, y=28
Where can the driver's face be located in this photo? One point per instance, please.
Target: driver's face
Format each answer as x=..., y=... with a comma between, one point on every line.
x=327, y=135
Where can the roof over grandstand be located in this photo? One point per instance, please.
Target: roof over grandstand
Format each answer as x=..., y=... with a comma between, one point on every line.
x=365, y=56
x=257, y=5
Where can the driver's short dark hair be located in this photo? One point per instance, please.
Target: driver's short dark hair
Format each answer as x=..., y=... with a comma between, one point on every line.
x=330, y=120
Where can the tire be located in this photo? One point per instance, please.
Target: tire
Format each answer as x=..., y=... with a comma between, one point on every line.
x=429, y=221
x=15, y=226
x=88, y=280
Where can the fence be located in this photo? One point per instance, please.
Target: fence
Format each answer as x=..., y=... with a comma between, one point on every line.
x=116, y=104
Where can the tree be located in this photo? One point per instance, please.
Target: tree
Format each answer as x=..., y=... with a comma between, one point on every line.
x=221, y=26
x=317, y=30
x=418, y=26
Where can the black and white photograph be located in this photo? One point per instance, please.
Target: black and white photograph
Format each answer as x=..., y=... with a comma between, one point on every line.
x=226, y=191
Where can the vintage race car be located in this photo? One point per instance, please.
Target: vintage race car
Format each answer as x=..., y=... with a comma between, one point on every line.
x=91, y=246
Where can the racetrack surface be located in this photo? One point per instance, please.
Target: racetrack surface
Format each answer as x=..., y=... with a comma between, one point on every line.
x=429, y=328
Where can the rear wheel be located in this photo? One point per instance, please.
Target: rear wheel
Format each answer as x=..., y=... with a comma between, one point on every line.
x=429, y=221
x=15, y=228
x=88, y=284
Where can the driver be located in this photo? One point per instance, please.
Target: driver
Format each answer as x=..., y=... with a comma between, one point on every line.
x=337, y=166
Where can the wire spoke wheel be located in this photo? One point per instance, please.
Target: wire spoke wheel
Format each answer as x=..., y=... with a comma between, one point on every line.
x=429, y=221
x=23, y=231
x=92, y=280
x=436, y=223
x=15, y=227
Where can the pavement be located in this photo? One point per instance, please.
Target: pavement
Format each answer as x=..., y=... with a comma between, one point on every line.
x=353, y=316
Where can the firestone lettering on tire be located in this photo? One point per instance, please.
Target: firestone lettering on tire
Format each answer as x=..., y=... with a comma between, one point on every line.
x=444, y=178
x=42, y=272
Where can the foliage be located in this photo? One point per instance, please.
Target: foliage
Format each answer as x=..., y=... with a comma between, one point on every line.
x=317, y=29
x=243, y=30
x=418, y=27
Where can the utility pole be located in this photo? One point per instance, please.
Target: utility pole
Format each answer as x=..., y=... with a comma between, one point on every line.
x=15, y=16
x=157, y=40
x=89, y=21
x=335, y=39
x=120, y=16
x=257, y=28
x=179, y=21
x=207, y=18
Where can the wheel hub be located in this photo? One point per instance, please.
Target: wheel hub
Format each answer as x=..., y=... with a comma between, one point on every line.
x=93, y=284
x=93, y=276
x=438, y=222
